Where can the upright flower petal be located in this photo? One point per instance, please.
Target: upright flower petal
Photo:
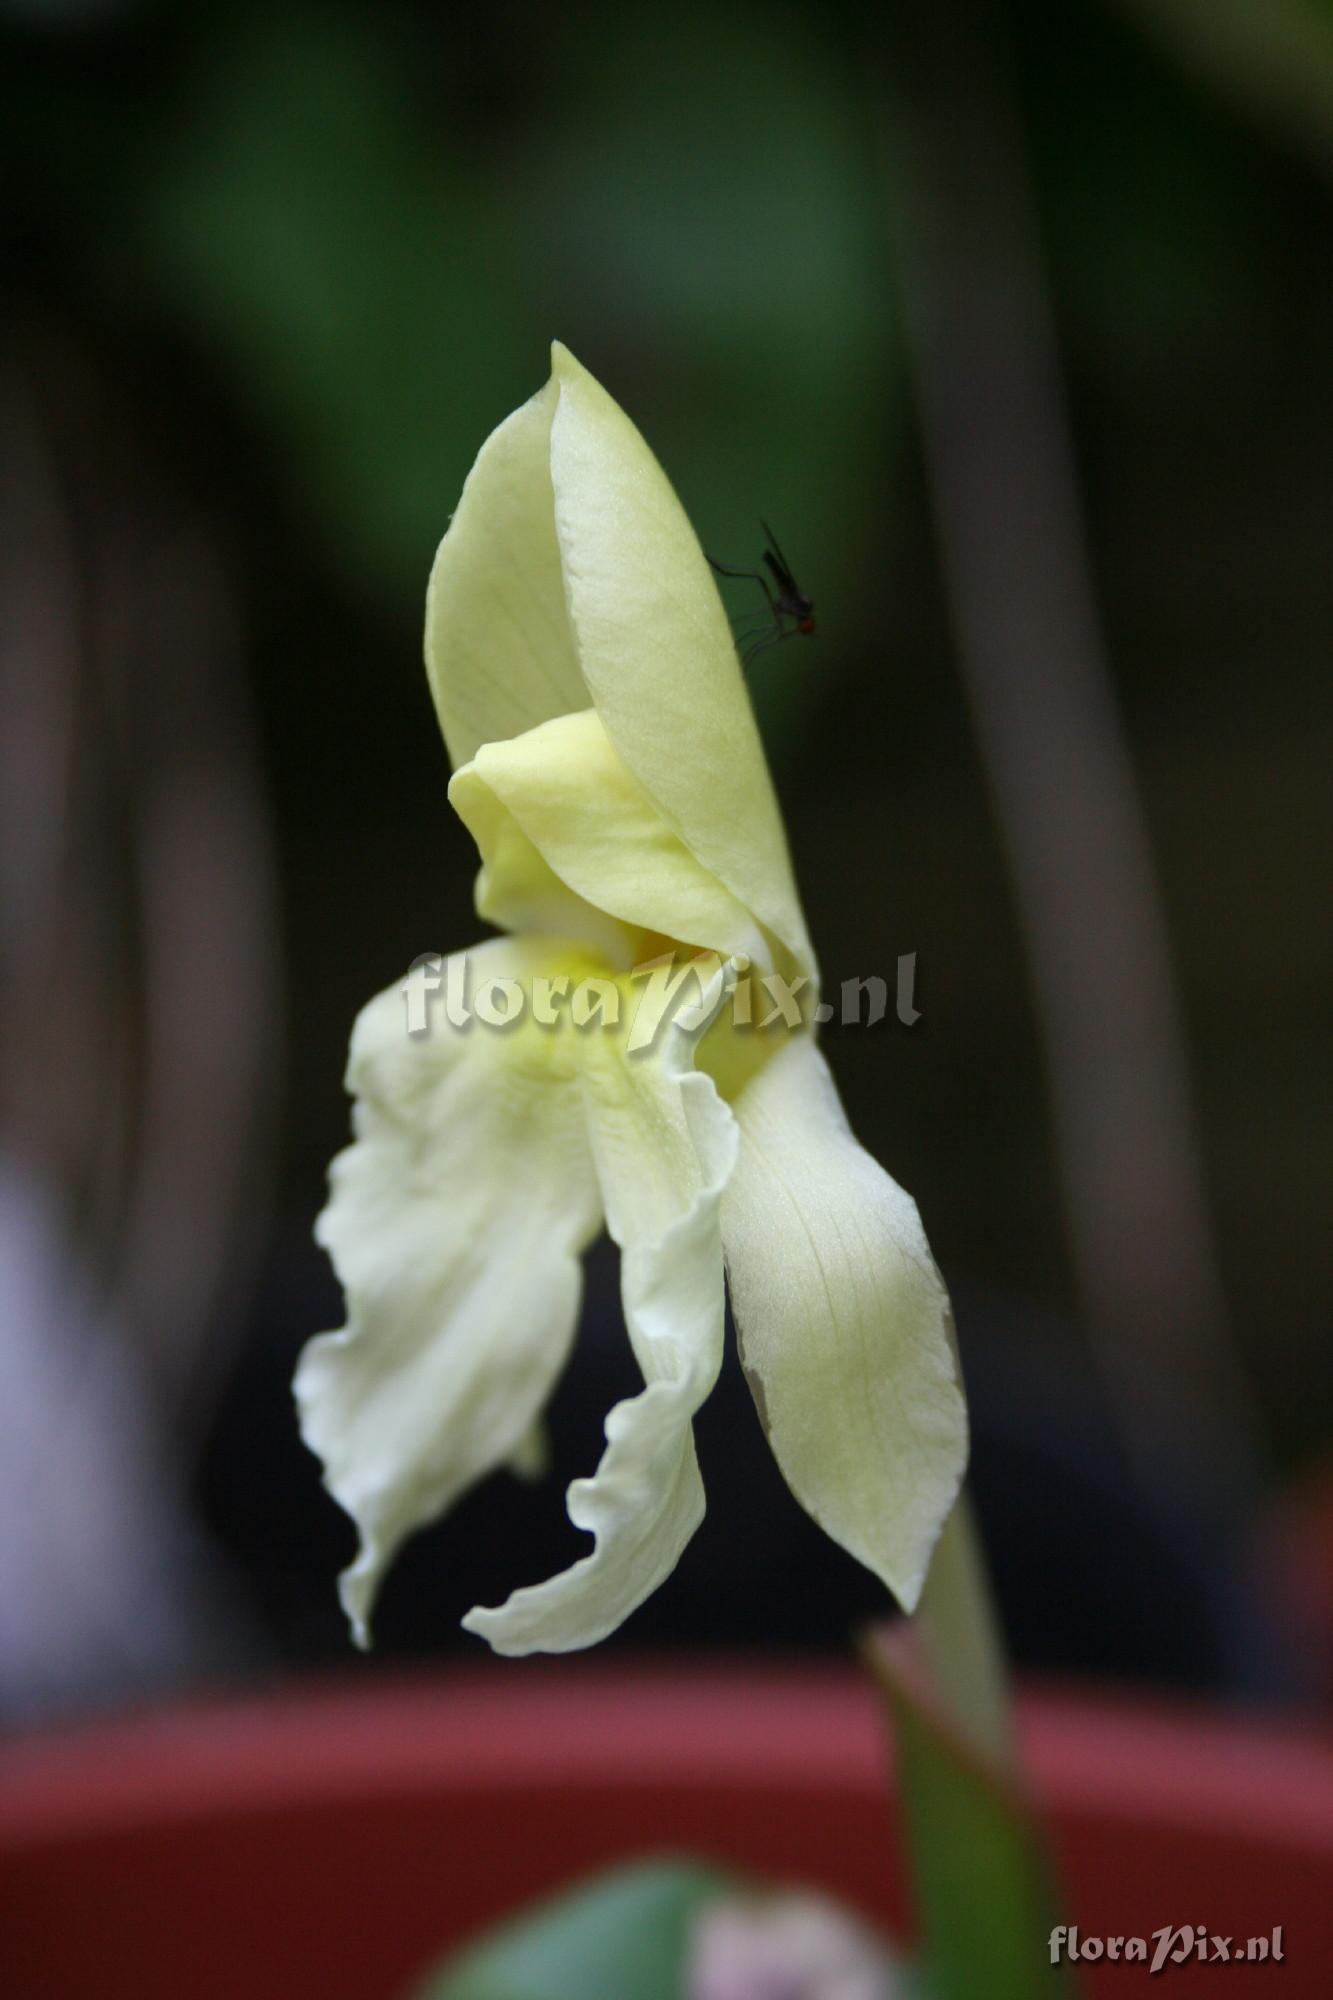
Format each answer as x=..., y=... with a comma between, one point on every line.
x=843, y=1323
x=455, y=1222
x=664, y=1144
x=655, y=648
x=570, y=577
x=500, y=653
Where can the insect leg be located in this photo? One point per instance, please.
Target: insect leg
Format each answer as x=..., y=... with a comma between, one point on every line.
x=754, y=575
x=767, y=639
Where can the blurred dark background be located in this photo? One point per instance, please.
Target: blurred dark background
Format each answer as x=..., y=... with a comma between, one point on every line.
x=1017, y=323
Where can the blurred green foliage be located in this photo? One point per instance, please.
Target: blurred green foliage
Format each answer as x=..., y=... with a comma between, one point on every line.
x=626, y=1932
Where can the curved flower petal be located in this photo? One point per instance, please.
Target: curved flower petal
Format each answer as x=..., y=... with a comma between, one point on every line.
x=517, y=888
x=455, y=1222
x=664, y=1145
x=500, y=653
x=843, y=1323
x=655, y=648
x=585, y=819
x=571, y=577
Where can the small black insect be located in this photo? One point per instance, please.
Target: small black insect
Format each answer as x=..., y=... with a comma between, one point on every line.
x=792, y=611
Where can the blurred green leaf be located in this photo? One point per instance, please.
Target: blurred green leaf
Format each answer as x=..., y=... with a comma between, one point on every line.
x=327, y=248
x=985, y=1891
x=626, y=1933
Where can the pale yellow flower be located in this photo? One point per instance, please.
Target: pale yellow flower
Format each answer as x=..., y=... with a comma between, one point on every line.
x=607, y=763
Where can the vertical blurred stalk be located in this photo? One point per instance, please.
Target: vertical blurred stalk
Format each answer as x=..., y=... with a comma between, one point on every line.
x=1000, y=467
x=959, y=1635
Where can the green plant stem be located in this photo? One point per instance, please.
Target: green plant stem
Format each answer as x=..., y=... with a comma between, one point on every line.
x=960, y=1638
